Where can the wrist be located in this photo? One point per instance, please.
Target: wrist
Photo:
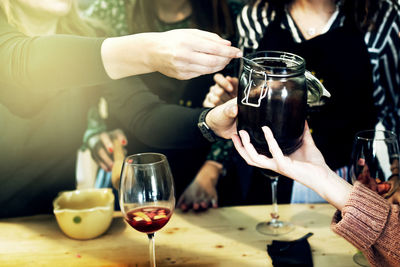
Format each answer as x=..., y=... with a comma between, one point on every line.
x=209, y=173
x=204, y=127
x=335, y=190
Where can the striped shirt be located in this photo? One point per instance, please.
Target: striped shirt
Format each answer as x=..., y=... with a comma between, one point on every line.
x=383, y=45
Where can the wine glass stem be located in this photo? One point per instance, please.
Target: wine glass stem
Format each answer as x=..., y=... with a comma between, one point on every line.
x=274, y=187
x=152, y=251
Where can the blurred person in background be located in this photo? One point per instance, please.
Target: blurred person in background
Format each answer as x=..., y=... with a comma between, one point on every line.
x=46, y=91
x=129, y=17
x=353, y=47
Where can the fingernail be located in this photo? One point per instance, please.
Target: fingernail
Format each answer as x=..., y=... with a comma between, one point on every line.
x=239, y=54
x=123, y=142
x=110, y=150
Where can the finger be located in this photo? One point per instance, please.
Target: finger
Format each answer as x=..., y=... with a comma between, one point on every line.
x=184, y=207
x=211, y=47
x=307, y=138
x=214, y=100
x=207, y=103
x=181, y=203
x=103, y=166
x=223, y=82
x=273, y=146
x=107, y=142
x=105, y=158
x=204, y=205
x=214, y=203
x=194, y=69
x=260, y=160
x=217, y=92
x=94, y=150
x=231, y=109
x=120, y=136
x=235, y=84
x=241, y=150
x=199, y=61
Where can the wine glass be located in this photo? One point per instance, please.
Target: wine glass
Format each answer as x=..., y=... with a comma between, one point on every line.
x=375, y=163
x=274, y=226
x=146, y=194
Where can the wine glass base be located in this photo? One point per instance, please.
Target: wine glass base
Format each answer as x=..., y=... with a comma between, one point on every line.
x=274, y=228
x=360, y=259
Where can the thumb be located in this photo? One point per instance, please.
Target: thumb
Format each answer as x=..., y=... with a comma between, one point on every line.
x=231, y=108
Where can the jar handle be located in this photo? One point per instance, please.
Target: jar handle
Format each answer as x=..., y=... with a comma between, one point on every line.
x=315, y=89
x=263, y=93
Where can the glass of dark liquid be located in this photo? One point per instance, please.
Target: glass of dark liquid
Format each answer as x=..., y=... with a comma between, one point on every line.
x=146, y=194
x=273, y=92
x=375, y=163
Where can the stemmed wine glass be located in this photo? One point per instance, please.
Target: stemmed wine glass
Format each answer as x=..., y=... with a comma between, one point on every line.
x=274, y=226
x=375, y=163
x=146, y=194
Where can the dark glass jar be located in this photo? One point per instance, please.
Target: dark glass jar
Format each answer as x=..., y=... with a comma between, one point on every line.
x=273, y=93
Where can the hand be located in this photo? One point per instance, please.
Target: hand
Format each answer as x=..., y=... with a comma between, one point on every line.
x=394, y=194
x=306, y=165
x=224, y=89
x=222, y=119
x=202, y=193
x=181, y=54
x=102, y=148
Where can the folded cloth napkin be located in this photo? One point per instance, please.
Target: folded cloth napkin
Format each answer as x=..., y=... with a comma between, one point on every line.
x=296, y=253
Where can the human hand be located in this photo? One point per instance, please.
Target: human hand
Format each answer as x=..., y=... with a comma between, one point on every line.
x=222, y=119
x=188, y=53
x=202, y=193
x=181, y=54
x=306, y=165
x=224, y=89
x=102, y=147
x=298, y=165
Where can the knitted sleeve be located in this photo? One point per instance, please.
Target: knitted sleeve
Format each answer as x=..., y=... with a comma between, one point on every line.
x=371, y=224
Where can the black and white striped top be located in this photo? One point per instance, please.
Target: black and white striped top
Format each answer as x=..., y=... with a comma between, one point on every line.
x=383, y=46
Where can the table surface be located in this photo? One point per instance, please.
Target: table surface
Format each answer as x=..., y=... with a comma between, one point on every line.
x=219, y=237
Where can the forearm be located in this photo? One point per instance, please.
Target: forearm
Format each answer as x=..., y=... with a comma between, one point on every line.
x=168, y=127
x=335, y=190
x=119, y=64
x=328, y=185
x=151, y=120
x=370, y=223
x=209, y=172
x=50, y=63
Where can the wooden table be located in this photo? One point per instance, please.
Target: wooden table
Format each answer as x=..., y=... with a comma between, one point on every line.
x=219, y=237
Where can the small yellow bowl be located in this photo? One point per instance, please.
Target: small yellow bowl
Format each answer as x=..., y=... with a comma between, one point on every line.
x=84, y=214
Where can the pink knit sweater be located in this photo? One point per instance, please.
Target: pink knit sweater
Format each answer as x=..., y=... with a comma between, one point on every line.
x=372, y=225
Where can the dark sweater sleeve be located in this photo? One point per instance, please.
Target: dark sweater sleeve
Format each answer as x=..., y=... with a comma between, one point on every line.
x=37, y=68
x=151, y=120
x=371, y=224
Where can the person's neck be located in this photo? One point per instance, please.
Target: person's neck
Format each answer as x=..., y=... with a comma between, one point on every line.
x=314, y=6
x=36, y=24
x=171, y=11
x=311, y=14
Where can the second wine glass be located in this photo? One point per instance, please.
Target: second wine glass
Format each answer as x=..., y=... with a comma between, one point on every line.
x=375, y=163
x=146, y=194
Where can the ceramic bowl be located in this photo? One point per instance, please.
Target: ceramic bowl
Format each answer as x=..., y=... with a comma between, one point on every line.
x=84, y=214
